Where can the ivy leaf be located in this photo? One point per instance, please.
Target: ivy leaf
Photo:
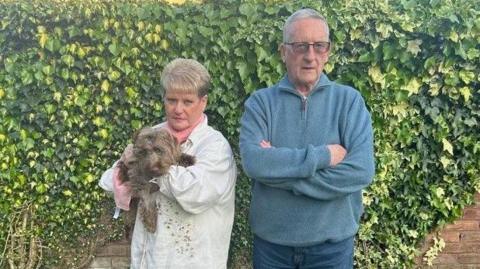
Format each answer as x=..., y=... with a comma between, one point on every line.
x=243, y=70
x=247, y=9
x=205, y=31
x=105, y=85
x=47, y=70
x=447, y=146
x=261, y=53
x=113, y=75
x=113, y=48
x=42, y=39
x=414, y=46
x=384, y=29
x=376, y=74
x=400, y=110
x=364, y=58
x=453, y=36
x=466, y=93
x=412, y=87
x=27, y=77
x=68, y=60
x=439, y=192
x=53, y=45
x=466, y=76
x=67, y=193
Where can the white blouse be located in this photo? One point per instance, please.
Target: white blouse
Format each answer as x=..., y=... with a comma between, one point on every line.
x=195, y=208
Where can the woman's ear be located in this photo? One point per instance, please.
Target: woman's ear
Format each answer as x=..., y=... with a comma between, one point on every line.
x=204, y=101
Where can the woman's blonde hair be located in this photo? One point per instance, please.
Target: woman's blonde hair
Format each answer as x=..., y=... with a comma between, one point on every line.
x=185, y=76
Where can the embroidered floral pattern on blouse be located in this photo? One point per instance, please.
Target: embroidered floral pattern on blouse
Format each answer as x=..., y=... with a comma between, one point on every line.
x=172, y=218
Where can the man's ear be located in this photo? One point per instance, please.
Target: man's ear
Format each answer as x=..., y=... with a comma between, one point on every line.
x=281, y=48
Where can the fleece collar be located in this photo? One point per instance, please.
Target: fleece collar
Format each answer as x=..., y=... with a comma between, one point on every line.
x=286, y=85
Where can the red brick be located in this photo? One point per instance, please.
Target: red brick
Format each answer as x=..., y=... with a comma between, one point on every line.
x=473, y=247
x=471, y=214
x=450, y=236
x=469, y=259
x=469, y=225
x=452, y=248
x=470, y=266
x=101, y=262
x=445, y=259
x=120, y=263
x=102, y=251
x=447, y=266
x=468, y=236
x=120, y=250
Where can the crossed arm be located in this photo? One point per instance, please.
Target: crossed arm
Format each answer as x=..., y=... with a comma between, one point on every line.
x=321, y=172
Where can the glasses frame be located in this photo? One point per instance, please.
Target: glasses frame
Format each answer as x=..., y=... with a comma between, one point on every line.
x=296, y=46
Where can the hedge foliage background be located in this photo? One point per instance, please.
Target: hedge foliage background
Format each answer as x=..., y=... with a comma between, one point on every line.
x=78, y=77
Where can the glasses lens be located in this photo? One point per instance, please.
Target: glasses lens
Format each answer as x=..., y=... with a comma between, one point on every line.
x=302, y=47
x=320, y=47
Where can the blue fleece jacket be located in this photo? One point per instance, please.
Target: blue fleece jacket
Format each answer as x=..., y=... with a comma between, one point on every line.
x=298, y=199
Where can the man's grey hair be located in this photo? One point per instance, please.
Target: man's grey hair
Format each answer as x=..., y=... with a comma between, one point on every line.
x=306, y=13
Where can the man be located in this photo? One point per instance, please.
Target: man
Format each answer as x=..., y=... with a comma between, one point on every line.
x=307, y=144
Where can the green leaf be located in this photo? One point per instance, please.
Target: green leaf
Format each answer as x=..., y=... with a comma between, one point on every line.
x=413, y=86
x=27, y=77
x=105, y=85
x=113, y=48
x=262, y=54
x=447, y=146
x=466, y=93
x=53, y=45
x=366, y=57
x=414, y=46
x=466, y=76
x=247, y=9
x=68, y=60
x=243, y=70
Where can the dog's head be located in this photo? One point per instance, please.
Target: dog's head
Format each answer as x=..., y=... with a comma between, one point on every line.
x=154, y=151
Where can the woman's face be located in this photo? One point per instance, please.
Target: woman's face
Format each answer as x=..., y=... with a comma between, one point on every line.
x=183, y=110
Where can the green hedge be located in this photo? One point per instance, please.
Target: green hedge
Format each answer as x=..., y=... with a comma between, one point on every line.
x=78, y=77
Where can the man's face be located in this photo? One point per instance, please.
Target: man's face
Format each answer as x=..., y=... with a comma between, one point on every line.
x=304, y=69
x=183, y=110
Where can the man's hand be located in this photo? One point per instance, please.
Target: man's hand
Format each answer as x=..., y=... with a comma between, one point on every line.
x=337, y=154
x=265, y=144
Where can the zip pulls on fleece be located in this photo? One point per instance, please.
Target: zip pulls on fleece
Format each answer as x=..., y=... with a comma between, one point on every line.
x=304, y=106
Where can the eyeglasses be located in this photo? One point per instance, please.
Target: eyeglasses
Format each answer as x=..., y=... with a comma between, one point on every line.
x=303, y=47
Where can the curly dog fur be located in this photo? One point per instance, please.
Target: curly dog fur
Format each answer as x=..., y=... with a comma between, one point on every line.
x=154, y=151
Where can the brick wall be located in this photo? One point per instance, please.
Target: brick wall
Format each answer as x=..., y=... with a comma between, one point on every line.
x=114, y=255
x=462, y=246
x=462, y=241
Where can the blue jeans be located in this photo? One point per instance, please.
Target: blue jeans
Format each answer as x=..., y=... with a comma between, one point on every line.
x=338, y=255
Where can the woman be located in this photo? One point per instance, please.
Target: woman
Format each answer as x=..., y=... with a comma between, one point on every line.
x=196, y=203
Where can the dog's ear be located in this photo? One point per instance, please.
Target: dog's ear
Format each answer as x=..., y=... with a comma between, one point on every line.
x=123, y=171
x=136, y=134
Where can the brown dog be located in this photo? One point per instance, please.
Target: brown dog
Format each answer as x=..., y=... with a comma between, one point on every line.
x=154, y=151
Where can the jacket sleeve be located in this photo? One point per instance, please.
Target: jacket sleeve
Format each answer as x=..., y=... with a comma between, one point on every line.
x=276, y=164
x=354, y=173
x=106, y=181
x=197, y=188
